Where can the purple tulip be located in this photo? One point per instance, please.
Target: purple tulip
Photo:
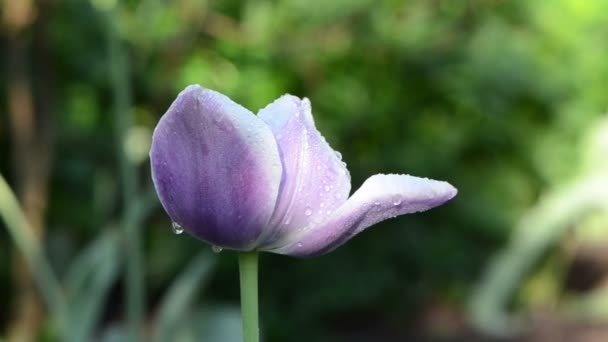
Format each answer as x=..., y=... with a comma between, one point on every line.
x=269, y=182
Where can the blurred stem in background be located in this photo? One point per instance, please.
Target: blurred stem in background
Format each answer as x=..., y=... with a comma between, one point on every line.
x=29, y=246
x=540, y=229
x=30, y=115
x=118, y=64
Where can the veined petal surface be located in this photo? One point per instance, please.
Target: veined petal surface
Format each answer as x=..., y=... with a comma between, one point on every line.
x=315, y=181
x=216, y=168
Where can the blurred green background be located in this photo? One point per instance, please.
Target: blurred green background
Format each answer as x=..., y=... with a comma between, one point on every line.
x=506, y=100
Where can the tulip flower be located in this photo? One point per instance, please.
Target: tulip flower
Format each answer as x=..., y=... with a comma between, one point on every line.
x=269, y=182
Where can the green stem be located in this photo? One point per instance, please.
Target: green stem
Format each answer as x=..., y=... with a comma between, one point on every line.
x=248, y=268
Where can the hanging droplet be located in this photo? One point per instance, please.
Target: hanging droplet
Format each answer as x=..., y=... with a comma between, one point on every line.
x=216, y=249
x=177, y=229
x=339, y=155
x=396, y=200
x=308, y=211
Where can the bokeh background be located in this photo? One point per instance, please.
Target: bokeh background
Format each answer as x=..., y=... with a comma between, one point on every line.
x=506, y=100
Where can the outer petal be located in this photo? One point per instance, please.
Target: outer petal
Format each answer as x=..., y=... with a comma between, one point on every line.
x=216, y=168
x=315, y=181
x=379, y=198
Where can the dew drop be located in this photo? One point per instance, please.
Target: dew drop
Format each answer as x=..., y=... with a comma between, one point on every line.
x=322, y=205
x=396, y=200
x=343, y=171
x=331, y=173
x=339, y=155
x=376, y=203
x=177, y=229
x=308, y=211
x=299, y=245
x=216, y=249
x=326, y=188
x=328, y=212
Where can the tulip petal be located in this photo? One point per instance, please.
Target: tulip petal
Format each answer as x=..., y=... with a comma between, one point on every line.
x=379, y=198
x=216, y=168
x=315, y=181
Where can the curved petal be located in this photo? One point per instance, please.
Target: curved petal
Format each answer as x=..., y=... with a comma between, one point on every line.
x=216, y=168
x=315, y=181
x=379, y=198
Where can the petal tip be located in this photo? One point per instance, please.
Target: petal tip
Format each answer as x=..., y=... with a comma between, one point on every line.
x=192, y=89
x=449, y=193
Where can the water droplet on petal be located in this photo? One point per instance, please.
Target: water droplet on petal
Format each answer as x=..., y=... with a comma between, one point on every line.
x=299, y=245
x=339, y=155
x=217, y=118
x=376, y=203
x=216, y=249
x=308, y=211
x=396, y=200
x=177, y=229
x=343, y=171
x=331, y=173
x=326, y=188
x=322, y=205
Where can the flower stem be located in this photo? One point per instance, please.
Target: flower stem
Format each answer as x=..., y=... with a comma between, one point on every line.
x=248, y=268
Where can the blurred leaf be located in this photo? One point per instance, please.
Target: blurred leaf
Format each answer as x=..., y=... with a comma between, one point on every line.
x=175, y=305
x=212, y=324
x=88, y=282
x=114, y=333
